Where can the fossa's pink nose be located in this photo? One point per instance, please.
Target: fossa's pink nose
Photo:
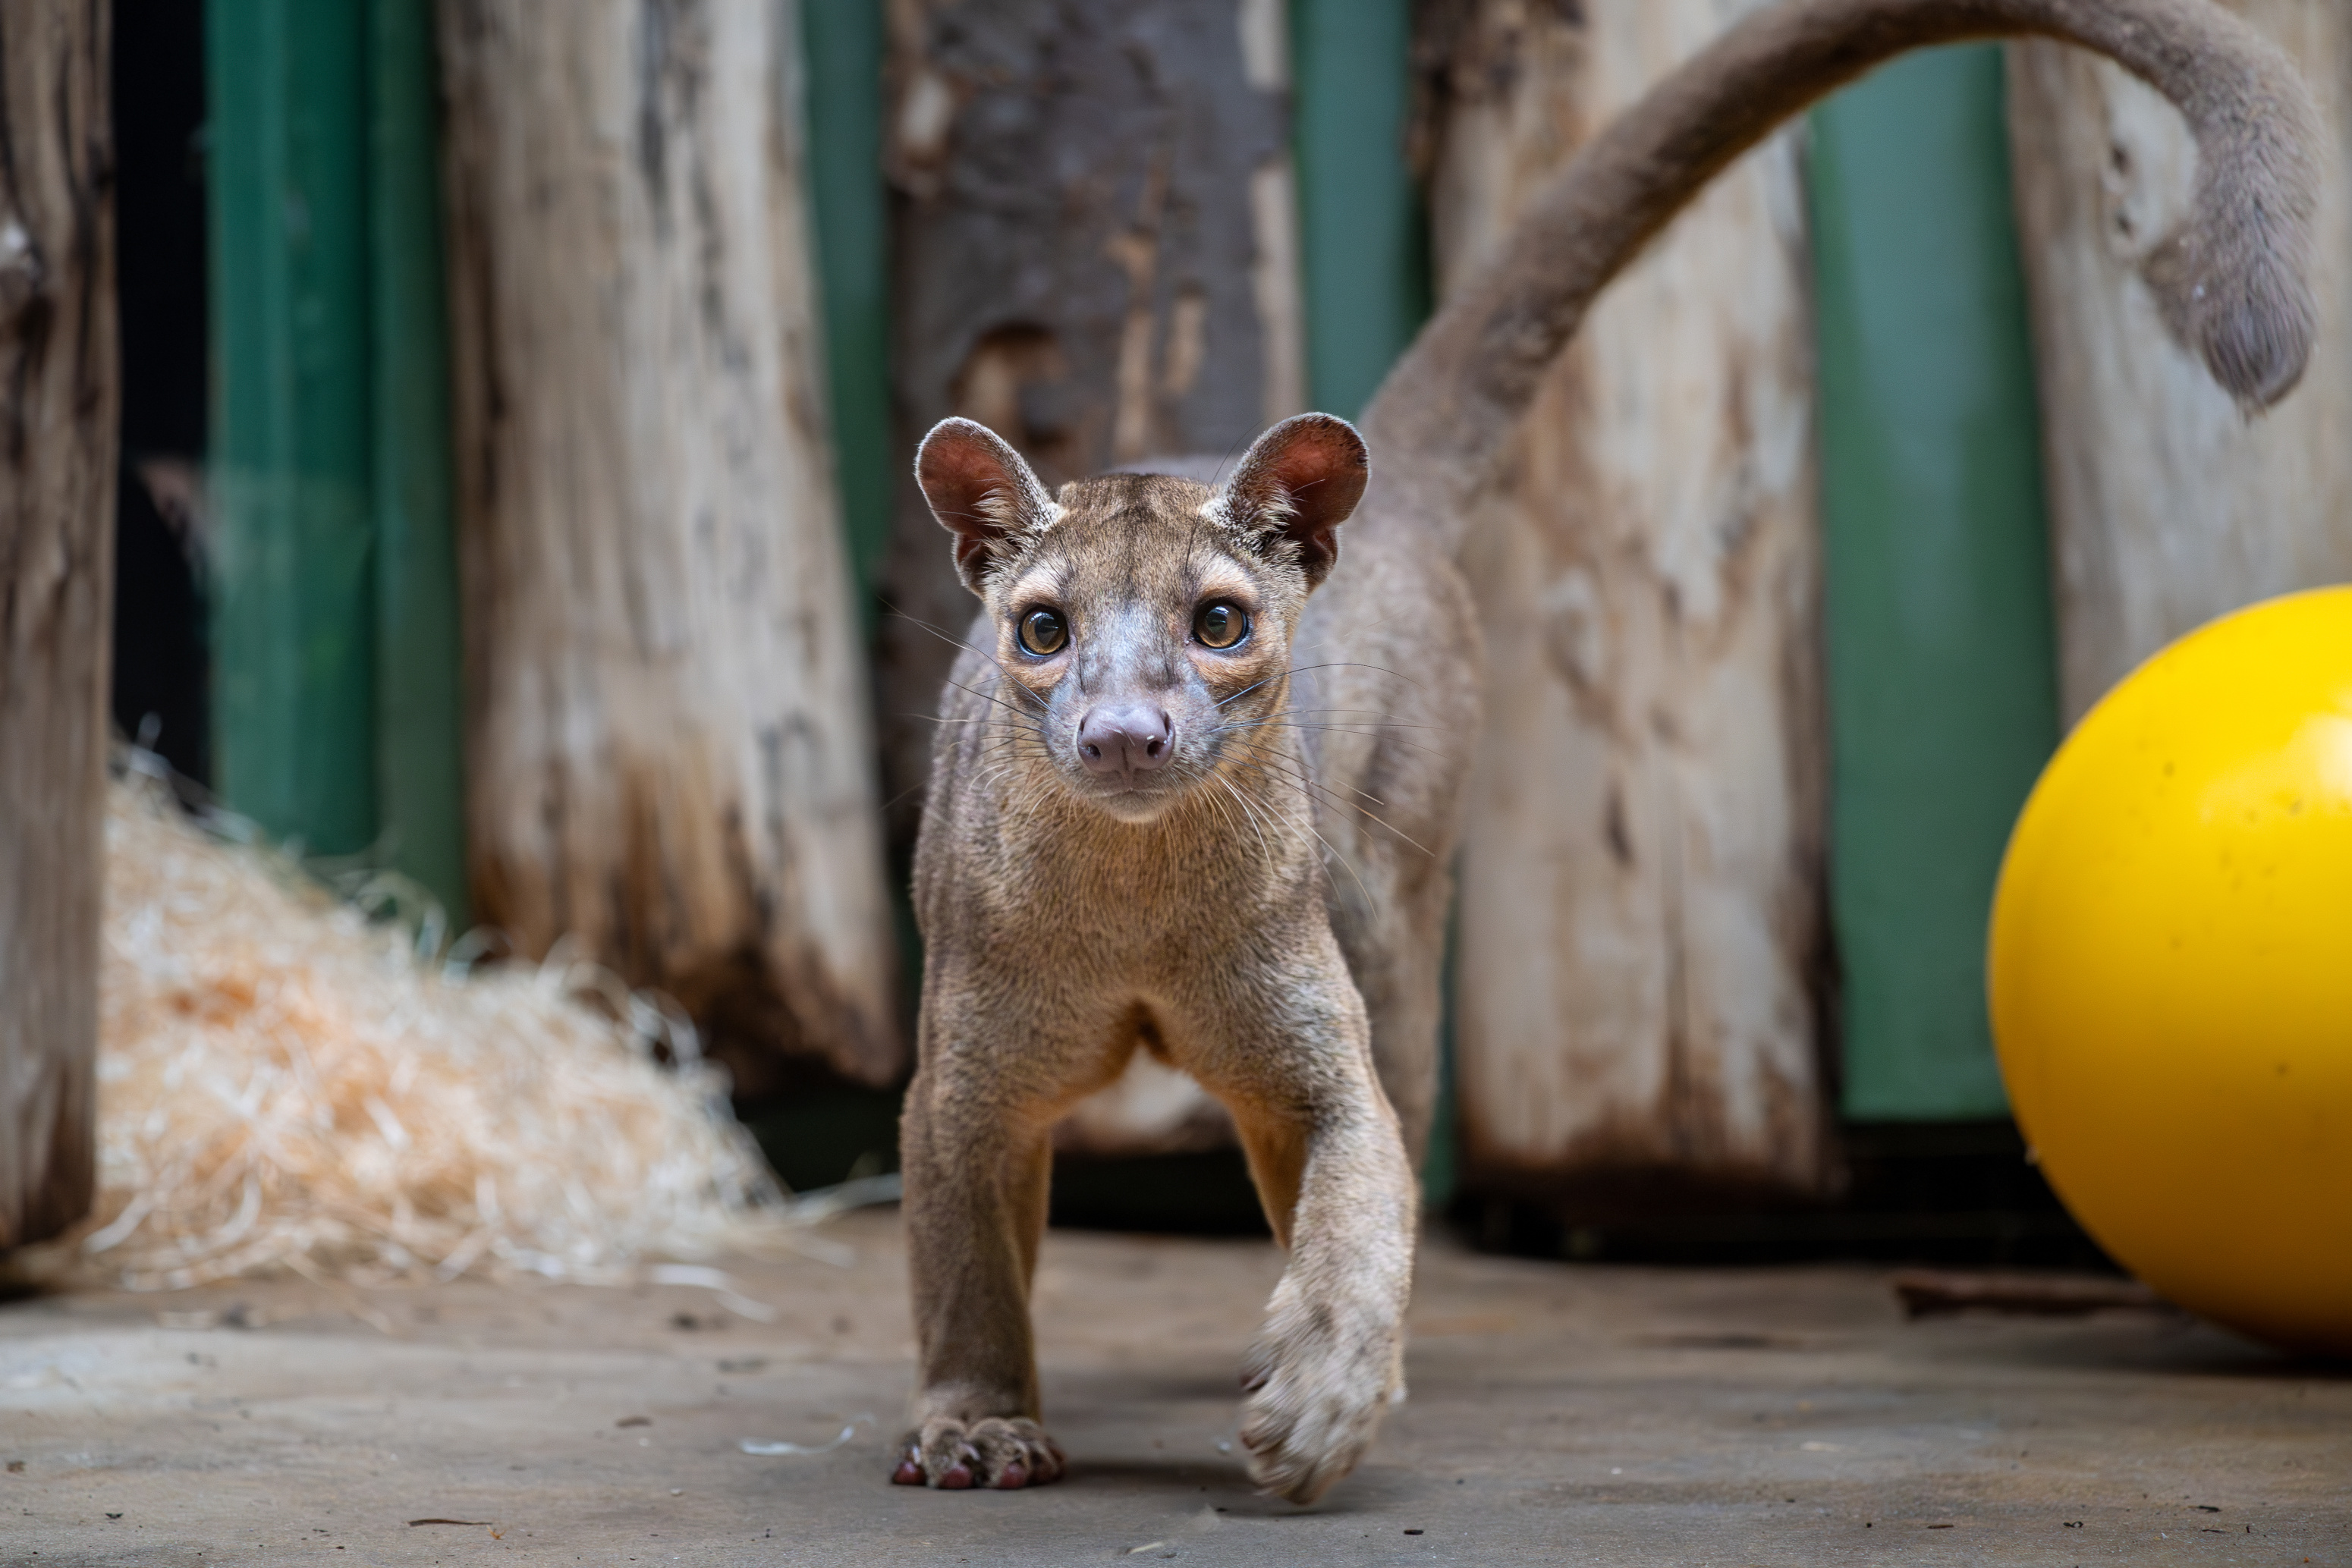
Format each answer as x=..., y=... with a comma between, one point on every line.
x=1123, y=739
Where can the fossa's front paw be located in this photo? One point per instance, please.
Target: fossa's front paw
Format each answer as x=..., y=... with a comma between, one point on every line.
x=998, y=1452
x=1318, y=1377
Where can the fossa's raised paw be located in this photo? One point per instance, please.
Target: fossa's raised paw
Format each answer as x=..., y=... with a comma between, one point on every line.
x=999, y=1453
x=1318, y=1383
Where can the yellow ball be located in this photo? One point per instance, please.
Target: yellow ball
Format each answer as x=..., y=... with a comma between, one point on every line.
x=2171, y=971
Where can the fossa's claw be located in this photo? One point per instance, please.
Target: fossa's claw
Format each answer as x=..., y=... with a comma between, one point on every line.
x=996, y=1453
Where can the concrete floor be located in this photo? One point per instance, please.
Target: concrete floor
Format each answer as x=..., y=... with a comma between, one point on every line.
x=1560, y=1414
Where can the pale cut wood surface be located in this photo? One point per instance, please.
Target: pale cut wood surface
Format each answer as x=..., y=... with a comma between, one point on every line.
x=2167, y=505
x=58, y=395
x=1641, y=919
x=668, y=743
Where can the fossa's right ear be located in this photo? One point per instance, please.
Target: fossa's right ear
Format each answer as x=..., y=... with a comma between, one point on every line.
x=982, y=493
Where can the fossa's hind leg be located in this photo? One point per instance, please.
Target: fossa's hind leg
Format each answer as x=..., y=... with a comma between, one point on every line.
x=1397, y=958
x=1389, y=755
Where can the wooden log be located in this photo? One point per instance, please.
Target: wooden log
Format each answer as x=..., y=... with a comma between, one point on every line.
x=1641, y=926
x=2167, y=505
x=58, y=399
x=1098, y=259
x=669, y=752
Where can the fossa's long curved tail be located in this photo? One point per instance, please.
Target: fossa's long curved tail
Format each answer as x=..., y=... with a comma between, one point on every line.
x=2232, y=280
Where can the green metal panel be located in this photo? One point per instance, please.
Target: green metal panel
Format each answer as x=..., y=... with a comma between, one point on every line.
x=1363, y=242
x=335, y=633
x=293, y=617
x=419, y=770
x=843, y=43
x=1943, y=685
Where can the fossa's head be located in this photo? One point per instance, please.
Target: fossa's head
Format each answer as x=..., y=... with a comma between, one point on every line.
x=1144, y=622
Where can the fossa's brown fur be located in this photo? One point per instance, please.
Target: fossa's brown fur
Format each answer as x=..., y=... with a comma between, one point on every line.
x=1251, y=881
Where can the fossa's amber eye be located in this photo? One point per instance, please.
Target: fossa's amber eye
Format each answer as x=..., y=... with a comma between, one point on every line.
x=1043, y=632
x=1221, y=624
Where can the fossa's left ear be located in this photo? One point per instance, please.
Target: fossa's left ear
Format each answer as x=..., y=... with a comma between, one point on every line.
x=1298, y=483
x=982, y=493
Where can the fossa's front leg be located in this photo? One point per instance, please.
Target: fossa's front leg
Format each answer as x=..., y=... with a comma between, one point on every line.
x=976, y=1162
x=1329, y=1162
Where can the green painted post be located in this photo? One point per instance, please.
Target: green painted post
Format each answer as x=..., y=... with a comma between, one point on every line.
x=842, y=42
x=419, y=770
x=293, y=618
x=1943, y=685
x=1363, y=240
x=335, y=636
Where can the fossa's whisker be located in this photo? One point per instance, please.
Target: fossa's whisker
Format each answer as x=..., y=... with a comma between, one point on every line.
x=1377, y=719
x=1309, y=784
x=1293, y=768
x=975, y=691
x=954, y=641
x=1264, y=847
x=1381, y=733
x=1307, y=669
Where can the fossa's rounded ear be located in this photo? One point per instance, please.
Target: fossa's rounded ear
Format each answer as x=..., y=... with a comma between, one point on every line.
x=982, y=493
x=1298, y=483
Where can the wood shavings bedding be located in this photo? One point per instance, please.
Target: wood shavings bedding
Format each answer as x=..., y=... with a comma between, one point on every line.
x=284, y=1085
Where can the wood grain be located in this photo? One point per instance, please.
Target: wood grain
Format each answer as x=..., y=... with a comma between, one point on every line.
x=1098, y=248
x=2167, y=505
x=1097, y=260
x=1641, y=922
x=669, y=750
x=58, y=397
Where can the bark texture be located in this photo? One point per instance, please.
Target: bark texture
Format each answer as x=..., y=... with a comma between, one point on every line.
x=668, y=747
x=58, y=416
x=1096, y=232
x=2169, y=506
x=1641, y=917
x=1096, y=229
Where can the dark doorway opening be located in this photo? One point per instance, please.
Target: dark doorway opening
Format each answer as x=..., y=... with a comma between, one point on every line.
x=162, y=673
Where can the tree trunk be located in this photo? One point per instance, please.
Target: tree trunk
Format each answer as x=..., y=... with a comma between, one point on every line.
x=57, y=409
x=1097, y=260
x=2167, y=507
x=668, y=744
x=1641, y=927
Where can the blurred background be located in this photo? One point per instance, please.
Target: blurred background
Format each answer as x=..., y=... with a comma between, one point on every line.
x=517, y=402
